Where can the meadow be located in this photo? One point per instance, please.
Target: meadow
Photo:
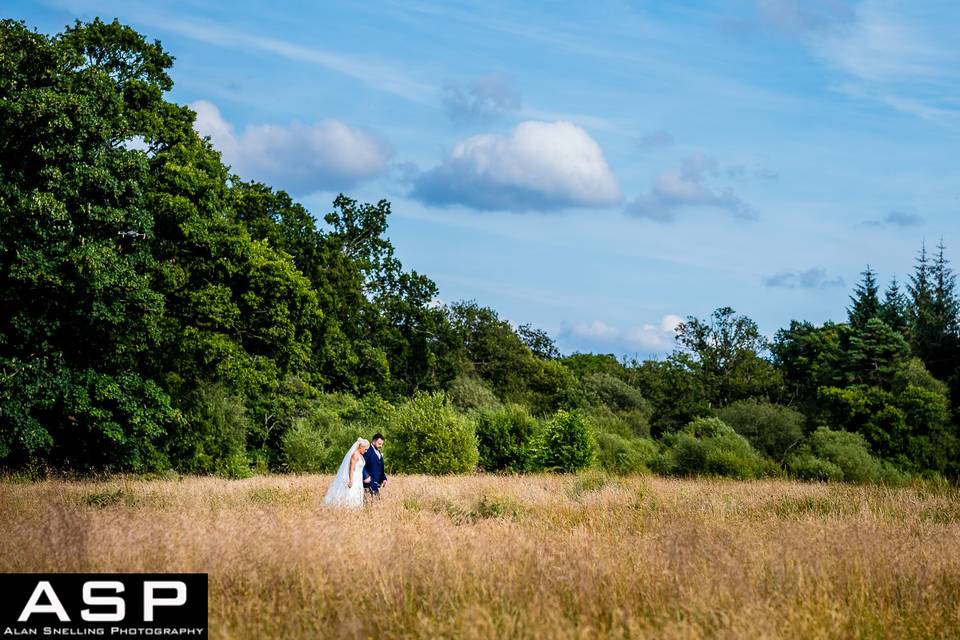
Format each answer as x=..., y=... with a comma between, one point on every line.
x=541, y=556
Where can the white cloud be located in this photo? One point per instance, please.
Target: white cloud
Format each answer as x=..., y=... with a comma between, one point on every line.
x=686, y=187
x=537, y=166
x=648, y=338
x=301, y=158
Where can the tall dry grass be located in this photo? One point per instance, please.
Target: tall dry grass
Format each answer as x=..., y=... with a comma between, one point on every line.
x=529, y=557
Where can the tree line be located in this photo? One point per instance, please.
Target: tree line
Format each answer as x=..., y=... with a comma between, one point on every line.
x=160, y=312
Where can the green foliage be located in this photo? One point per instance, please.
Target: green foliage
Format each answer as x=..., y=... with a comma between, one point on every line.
x=482, y=345
x=467, y=393
x=213, y=437
x=674, y=390
x=771, y=429
x=865, y=300
x=504, y=436
x=318, y=441
x=725, y=353
x=708, y=446
x=828, y=451
x=617, y=395
x=807, y=466
x=567, y=443
x=624, y=455
x=586, y=364
x=427, y=435
x=910, y=428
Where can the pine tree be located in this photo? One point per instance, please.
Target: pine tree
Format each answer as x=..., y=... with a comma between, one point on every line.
x=942, y=347
x=894, y=308
x=933, y=312
x=945, y=304
x=865, y=299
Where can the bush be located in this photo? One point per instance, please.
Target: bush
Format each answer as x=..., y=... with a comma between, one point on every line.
x=318, y=442
x=614, y=393
x=806, y=466
x=503, y=437
x=771, y=429
x=567, y=443
x=427, y=435
x=828, y=450
x=620, y=455
x=471, y=394
x=708, y=446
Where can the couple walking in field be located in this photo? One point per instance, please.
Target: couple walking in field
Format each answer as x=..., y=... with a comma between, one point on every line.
x=360, y=472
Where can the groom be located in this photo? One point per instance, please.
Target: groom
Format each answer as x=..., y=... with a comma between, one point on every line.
x=373, y=475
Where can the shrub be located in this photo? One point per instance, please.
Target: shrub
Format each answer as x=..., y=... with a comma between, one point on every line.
x=614, y=393
x=807, y=466
x=708, y=446
x=770, y=428
x=503, y=437
x=318, y=442
x=620, y=455
x=567, y=443
x=845, y=451
x=427, y=435
x=470, y=394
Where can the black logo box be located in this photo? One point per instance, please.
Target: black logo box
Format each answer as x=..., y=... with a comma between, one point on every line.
x=187, y=620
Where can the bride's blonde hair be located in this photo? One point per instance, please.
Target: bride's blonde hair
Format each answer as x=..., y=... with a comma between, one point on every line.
x=363, y=442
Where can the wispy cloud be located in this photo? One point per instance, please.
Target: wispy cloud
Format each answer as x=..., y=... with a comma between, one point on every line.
x=685, y=187
x=892, y=53
x=482, y=100
x=810, y=279
x=301, y=158
x=377, y=74
x=539, y=166
x=896, y=219
x=655, y=140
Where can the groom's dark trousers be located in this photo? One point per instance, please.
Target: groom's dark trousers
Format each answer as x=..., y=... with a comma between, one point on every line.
x=373, y=467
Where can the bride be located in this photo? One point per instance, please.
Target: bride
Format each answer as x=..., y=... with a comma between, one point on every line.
x=346, y=490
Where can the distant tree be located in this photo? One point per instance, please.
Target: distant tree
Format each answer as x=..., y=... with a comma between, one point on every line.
x=539, y=342
x=894, y=309
x=726, y=354
x=934, y=315
x=810, y=357
x=865, y=299
x=585, y=364
x=874, y=354
x=674, y=389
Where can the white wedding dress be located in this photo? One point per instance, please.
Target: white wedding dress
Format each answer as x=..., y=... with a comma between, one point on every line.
x=339, y=494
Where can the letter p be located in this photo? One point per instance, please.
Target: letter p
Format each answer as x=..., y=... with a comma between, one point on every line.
x=150, y=600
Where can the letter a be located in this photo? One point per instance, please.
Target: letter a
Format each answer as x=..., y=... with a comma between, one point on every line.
x=44, y=587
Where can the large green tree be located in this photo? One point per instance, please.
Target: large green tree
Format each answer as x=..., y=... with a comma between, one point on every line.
x=79, y=314
x=726, y=351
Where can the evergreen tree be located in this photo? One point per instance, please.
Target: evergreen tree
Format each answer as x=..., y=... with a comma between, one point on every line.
x=894, y=308
x=921, y=313
x=865, y=299
x=934, y=313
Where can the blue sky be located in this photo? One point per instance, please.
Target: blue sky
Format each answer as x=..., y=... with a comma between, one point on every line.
x=599, y=169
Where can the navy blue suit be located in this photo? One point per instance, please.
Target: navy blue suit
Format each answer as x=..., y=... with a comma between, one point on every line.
x=373, y=469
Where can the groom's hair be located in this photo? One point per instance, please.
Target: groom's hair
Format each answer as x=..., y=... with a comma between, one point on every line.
x=377, y=436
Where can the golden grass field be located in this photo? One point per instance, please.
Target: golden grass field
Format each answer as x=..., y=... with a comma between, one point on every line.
x=517, y=557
